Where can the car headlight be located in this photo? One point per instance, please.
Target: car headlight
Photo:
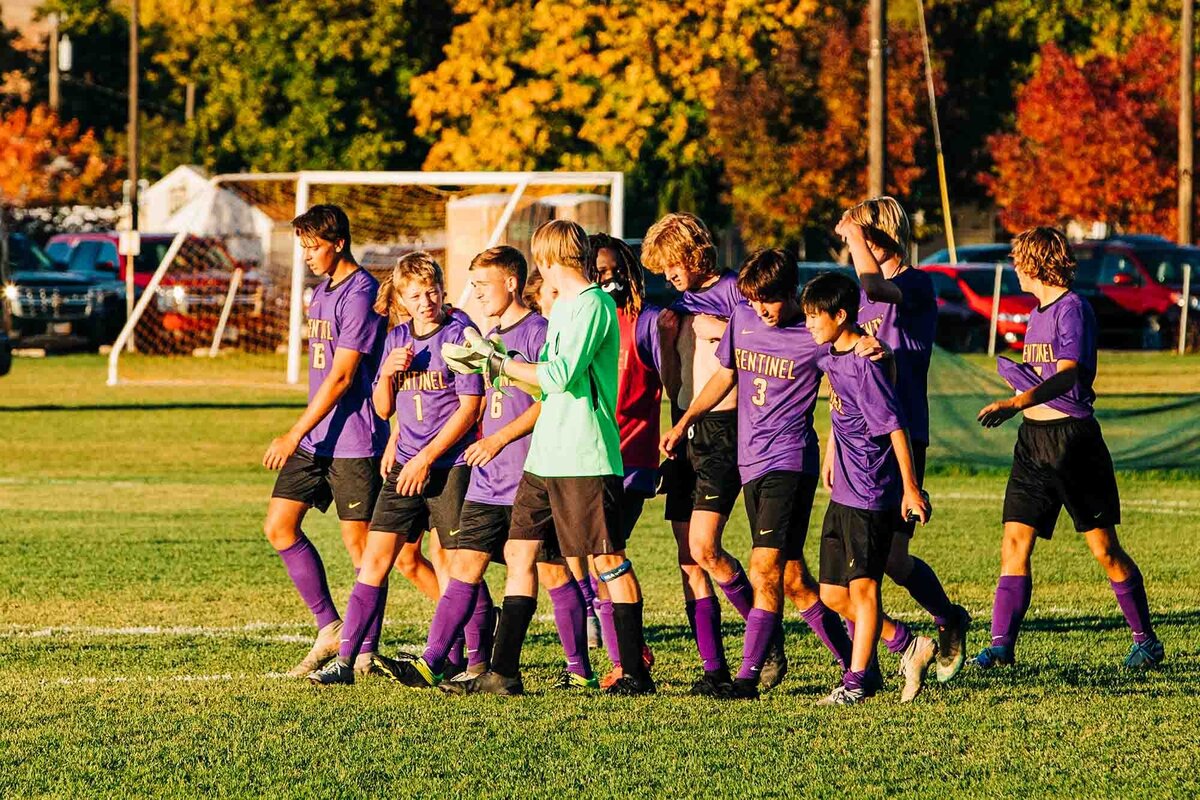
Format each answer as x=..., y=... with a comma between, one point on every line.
x=1016, y=318
x=10, y=292
x=1193, y=301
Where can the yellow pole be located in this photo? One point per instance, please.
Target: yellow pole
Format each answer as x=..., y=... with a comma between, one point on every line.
x=937, y=136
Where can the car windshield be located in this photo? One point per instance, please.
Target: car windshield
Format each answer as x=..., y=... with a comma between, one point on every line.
x=25, y=256
x=971, y=252
x=983, y=281
x=1166, y=266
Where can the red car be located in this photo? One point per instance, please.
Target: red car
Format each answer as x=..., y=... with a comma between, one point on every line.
x=964, y=293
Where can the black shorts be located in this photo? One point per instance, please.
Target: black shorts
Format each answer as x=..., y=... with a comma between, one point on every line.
x=908, y=527
x=571, y=516
x=1060, y=463
x=855, y=543
x=778, y=506
x=353, y=483
x=708, y=480
x=436, y=508
x=484, y=528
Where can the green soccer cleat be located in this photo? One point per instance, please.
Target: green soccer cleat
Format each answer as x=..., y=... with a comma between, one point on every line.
x=952, y=645
x=1145, y=655
x=487, y=683
x=995, y=656
x=914, y=666
x=335, y=673
x=329, y=639
x=775, y=665
x=569, y=680
x=414, y=673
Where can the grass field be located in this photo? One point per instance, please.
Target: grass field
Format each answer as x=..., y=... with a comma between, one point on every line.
x=143, y=619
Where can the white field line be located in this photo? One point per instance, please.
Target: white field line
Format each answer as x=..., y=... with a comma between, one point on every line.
x=143, y=679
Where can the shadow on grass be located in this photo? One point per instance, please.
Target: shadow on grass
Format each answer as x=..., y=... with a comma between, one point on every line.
x=153, y=407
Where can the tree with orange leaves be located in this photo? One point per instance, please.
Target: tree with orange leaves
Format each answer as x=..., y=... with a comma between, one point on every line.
x=47, y=162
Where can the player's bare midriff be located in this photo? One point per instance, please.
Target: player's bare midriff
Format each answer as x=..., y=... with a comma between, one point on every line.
x=704, y=364
x=1043, y=413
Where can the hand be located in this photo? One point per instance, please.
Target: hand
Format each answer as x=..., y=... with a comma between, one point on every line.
x=872, y=348
x=388, y=461
x=827, y=472
x=413, y=477
x=484, y=450
x=708, y=327
x=670, y=441
x=476, y=355
x=397, y=361
x=915, y=505
x=847, y=229
x=280, y=451
x=996, y=414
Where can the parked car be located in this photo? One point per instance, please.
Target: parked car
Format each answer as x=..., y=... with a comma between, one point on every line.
x=969, y=288
x=972, y=253
x=1135, y=286
x=5, y=353
x=45, y=298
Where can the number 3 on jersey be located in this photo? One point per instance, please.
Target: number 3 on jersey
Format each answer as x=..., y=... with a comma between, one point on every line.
x=318, y=355
x=760, y=393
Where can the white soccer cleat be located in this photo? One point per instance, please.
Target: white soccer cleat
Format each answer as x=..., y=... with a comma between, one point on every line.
x=914, y=666
x=329, y=639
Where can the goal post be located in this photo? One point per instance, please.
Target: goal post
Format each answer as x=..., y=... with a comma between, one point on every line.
x=229, y=275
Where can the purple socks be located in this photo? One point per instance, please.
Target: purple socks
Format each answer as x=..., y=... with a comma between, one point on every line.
x=480, y=628
x=571, y=621
x=304, y=567
x=453, y=609
x=738, y=592
x=923, y=584
x=828, y=628
x=361, y=608
x=608, y=630
x=760, y=627
x=371, y=640
x=1013, y=594
x=588, y=590
x=704, y=617
x=901, y=640
x=1131, y=597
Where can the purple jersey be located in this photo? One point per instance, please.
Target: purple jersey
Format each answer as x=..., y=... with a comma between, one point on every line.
x=343, y=316
x=1064, y=329
x=777, y=382
x=495, y=483
x=864, y=409
x=718, y=300
x=908, y=329
x=427, y=392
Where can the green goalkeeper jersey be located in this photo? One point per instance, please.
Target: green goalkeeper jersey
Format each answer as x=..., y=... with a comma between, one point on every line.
x=576, y=433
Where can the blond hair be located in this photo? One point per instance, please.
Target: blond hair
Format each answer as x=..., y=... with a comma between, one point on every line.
x=1045, y=255
x=418, y=266
x=506, y=259
x=885, y=224
x=561, y=242
x=680, y=239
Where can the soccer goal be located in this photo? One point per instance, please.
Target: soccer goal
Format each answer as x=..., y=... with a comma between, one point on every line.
x=226, y=302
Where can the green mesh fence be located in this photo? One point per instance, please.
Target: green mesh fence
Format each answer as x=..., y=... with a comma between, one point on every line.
x=1143, y=431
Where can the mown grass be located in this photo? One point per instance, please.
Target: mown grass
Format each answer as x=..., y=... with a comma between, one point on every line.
x=143, y=618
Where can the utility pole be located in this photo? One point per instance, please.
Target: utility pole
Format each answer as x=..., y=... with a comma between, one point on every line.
x=133, y=244
x=189, y=101
x=54, y=95
x=877, y=100
x=1187, y=129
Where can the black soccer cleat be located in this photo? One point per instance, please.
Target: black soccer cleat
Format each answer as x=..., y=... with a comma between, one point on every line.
x=952, y=645
x=775, y=665
x=740, y=689
x=413, y=672
x=711, y=683
x=629, y=686
x=336, y=672
x=487, y=683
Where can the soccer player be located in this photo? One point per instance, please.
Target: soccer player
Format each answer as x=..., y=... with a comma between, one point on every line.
x=436, y=411
x=568, y=498
x=874, y=481
x=639, y=398
x=332, y=452
x=1060, y=457
x=898, y=306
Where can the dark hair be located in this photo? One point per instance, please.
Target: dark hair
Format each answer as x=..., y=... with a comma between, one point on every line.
x=324, y=222
x=831, y=292
x=507, y=259
x=626, y=258
x=769, y=276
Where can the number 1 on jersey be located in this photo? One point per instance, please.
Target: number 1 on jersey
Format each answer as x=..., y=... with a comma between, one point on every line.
x=420, y=409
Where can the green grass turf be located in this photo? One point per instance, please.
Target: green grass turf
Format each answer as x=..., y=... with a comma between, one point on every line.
x=142, y=615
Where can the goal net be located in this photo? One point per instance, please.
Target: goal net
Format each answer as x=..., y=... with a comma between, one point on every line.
x=227, y=300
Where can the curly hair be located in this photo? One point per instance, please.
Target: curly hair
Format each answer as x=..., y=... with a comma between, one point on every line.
x=624, y=255
x=417, y=266
x=680, y=239
x=1045, y=255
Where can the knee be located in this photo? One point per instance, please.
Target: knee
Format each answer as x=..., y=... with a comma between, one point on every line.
x=864, y=592
x=834, y=597
x=280, y=533
x=899, y=565
x=703, y=554
x=408, y=563
x=1109, y=553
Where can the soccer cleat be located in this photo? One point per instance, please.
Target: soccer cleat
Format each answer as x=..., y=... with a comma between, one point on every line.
x=914, y=666
x=363, y=665
x=616, y=673
x=413, y=673
x=629, y=686
x=952, y=646
x=775, y=665
x=329, y=639
x=569, y=680
x=841, y=696
x=487, y=683
x=336, y=672
x=1146, y=654
x=711, y=684
x=740, y=689
x=595, y=639
x=997, y=655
